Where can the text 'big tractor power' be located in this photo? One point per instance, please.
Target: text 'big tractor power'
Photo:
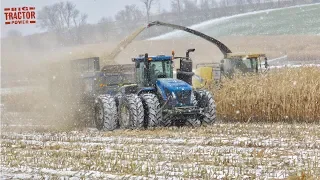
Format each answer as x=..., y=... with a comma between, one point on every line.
x=156, y=98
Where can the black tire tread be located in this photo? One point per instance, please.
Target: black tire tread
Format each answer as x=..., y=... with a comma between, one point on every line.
x=153, y=114
x=110, y=115
x=193, y=122
x=206, y=101
x=166, y=121
x=135, y=107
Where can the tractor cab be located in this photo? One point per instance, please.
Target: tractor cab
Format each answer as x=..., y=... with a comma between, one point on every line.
x=244, y=62
x=149, y=69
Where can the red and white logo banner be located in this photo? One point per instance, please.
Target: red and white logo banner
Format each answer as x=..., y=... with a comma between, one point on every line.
x=20, y=15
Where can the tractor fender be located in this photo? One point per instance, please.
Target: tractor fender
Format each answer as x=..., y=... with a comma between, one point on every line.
x=146, y=90
x=128, y=89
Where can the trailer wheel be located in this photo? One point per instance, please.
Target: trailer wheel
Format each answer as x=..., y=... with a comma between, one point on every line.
x=106, y=113
x=131, y=112
x=152, y=111
x=206, y=102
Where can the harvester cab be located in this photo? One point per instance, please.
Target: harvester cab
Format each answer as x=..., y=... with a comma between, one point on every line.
x=244, y=63
x=207, y=73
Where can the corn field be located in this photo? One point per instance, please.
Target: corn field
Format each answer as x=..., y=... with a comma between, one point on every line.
x=283, y=95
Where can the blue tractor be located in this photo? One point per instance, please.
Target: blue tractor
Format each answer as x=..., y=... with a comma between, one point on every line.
x=155, y=98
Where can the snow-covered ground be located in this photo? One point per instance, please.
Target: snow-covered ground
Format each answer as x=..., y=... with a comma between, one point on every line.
x=242, y=151
x=265, y=22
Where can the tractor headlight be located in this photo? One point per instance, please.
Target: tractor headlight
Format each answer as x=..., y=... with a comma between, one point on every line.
x=170, y=94
x=173, y=95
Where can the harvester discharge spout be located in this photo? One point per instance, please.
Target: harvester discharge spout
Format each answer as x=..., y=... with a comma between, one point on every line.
x=223, y=48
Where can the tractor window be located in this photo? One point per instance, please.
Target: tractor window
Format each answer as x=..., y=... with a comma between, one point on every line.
x=248, y=64
x=254, y=63
x=160, y=69
x=251, y=64
x=157, y=69
x=139, y=72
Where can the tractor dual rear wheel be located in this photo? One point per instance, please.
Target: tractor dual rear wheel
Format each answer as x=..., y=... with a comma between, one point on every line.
x=131, y=112
x=105, y=113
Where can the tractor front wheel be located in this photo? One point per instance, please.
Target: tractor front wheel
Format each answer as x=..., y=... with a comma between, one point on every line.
x=207, y=104
x=193, y=122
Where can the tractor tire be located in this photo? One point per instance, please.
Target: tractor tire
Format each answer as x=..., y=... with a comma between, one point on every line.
x=194, y=99
x=166, y=121
x=106, y=113
x=193, y=122
x=206, y=102
x=152, y=110
x=131, y=112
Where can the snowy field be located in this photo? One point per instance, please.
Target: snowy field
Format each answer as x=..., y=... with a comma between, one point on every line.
x=224, y=150
x=298, y=20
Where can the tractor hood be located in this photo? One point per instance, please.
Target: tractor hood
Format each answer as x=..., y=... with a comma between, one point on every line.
x=173, y=85
x=179, y=90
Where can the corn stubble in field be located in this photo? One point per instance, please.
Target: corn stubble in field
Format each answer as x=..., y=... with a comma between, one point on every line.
x=290, y=94
x=222, y=151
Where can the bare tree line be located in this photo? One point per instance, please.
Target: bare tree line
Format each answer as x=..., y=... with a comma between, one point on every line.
x=64, y=19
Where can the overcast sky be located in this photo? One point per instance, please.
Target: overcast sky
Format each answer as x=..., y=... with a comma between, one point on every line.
x=96, y=9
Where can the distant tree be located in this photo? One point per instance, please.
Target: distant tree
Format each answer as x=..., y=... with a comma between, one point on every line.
x=148, y=5
x=129, y=17
x=204, y=4
x=106, y=25
x=61, y=18
x=14, y=33
x=224, y=3
x=176, y=6
x=205, y=7
x=239, y=4
x=258, y=2
x=16, y=41
x=213, y=4
x=190, y=5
